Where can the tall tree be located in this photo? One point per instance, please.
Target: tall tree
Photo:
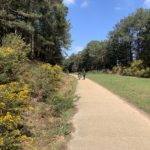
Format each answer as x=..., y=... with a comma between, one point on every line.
x=42, y=23
x=145, y=44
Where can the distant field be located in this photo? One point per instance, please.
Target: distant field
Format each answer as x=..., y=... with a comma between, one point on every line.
x=134, y=90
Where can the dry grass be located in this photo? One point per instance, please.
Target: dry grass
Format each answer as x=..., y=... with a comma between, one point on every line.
x=48, y=131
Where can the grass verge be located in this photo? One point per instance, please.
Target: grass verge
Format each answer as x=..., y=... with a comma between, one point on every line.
x=134, y=90
x=49, y=122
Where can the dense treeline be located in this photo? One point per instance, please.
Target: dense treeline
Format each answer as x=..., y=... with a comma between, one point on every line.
x=41, y=23
x=129, y=41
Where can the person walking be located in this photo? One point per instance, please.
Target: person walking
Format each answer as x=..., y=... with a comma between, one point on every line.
x=79, y=75
x=83, y=74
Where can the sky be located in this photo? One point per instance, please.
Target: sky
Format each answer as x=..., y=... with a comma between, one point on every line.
x=93, y=19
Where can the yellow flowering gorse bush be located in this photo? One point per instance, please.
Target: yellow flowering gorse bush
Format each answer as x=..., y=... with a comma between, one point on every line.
x=11, y=59
x=52, y=72
x=14, y=101
x=45, y=81
x=15, y=95
x=6, y=52
x=8, y=64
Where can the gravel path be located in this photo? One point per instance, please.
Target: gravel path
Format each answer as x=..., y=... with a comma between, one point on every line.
x=106, y=122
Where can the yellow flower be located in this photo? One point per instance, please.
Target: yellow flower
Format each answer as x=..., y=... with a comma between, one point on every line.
x=9, y=50
x=1, y=141
x=30, y=108
x=2, y=104
x=10, y=96
x=24, y=138
x=8, y=117
x=1, y=87
x=17, y=132
x=26, y=87
x=18, y=118
x=5, y=52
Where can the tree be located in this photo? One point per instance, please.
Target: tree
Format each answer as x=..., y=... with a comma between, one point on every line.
x=128, y=41
x=145, y=53
x=41, y=23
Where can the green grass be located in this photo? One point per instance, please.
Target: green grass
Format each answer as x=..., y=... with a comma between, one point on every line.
x=134, y=90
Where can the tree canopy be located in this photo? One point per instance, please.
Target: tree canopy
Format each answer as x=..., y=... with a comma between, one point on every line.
x=42, y=23
x=128, y=41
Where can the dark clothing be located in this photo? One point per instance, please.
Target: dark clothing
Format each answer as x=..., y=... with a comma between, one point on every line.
x=79, y=75
x=84, y=74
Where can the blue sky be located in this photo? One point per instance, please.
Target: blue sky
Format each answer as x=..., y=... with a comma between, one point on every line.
x=93, y=19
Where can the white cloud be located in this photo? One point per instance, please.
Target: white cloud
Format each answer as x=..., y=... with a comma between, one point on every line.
x=118, y=8
x=85, y=4
x=147, y=3
x=78, y=49
x=69, y=2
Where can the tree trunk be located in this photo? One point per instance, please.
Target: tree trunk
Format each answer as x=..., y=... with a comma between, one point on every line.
x=32, y=46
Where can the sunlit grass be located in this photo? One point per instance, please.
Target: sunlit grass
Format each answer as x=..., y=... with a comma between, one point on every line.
x=134, y=90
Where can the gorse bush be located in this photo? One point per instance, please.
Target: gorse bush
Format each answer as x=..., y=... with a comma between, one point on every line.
x=10, y=62
x=53, y=72
x=18, y=75
x=14, y=95
x=17, y=43
x=117, y=70
x=12, y=55
x=138, y=64
x=45, y=81
x=7, y=64
x=14, y=101
x=136, y=69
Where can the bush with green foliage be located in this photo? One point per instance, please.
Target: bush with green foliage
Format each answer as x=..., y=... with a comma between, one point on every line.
x=18, y=44
x=117, y=70
x=14, y=95
x=7, y=64
x=136, y=69
x=18, y=75
x=45, y=81
x=13, y=54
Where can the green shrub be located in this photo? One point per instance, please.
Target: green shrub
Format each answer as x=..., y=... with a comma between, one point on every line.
x=117, y=70
x=44, y=81
x=8, y=64
x=17, y=44
x=136, y=69
x=137, y=64
x=127, y=72
x=12, y=55
x=108, y=71
x=147, y=73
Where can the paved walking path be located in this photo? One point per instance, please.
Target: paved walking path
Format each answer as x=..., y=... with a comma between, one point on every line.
x=106, y=122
